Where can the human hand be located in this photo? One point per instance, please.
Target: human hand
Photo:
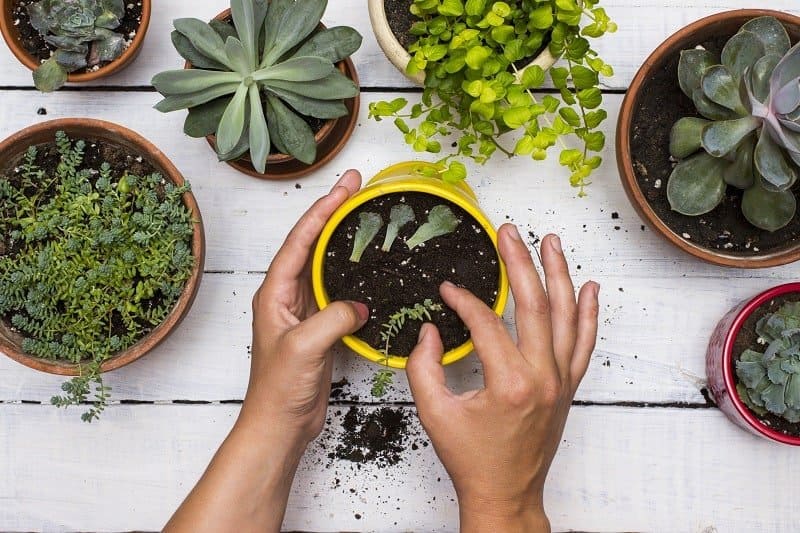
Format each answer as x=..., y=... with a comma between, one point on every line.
x=497, y=443
x=290, y=372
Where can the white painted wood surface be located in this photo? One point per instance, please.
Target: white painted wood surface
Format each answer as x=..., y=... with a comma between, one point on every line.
x=620, y=469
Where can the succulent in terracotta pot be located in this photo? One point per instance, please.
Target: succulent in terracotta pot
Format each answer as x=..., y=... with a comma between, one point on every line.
x=101, y=252
x=255, y=94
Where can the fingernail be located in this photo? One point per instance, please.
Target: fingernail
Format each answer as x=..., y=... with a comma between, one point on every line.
x=362, y=310
x=338, y=183
x=555, y=242
x=596, y=289
x=513, y=232
x=423, y=332
x=447, y=284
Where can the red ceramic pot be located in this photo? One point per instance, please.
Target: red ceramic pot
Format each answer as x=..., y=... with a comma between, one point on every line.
x=719, y=365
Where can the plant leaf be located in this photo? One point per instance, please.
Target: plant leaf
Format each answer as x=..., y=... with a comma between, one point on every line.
x=277, y=10
x=771, y=164
x=187, y=51
x=187, y=81
x=787, y=71
x=740, y=52
x=248, y=27
x=441, y=221
x=773, y=399
x=223, y=28
x=771, y=33
x=760, y=74
x=333, y=44
x=720, y=138
x=296, y=136
x=237, y=57
x=173, y=103
x=685, y=138
x=691, y=67
x=696, y=186
x=768, y=210
x=204, y=39
x=232, y=124
x=369, y=224
x=204, y=119
x=297, y=69
x=400, y=215
x=335, y=86
x=751, y=374
x=740, y=172
x=297, y=23
x=258, y=134
x=709, y=109
x=49, y=76
x=311, y=107
x=721, y=88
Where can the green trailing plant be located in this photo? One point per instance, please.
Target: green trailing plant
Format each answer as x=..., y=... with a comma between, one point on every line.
x=419, y=312
x=253, y=81
x=769, y=382
x=472, y=51
x=92, y=261
x=369, y=224
x=399, y=216
x=441, y=221
x=81, y=32
x=749, y=137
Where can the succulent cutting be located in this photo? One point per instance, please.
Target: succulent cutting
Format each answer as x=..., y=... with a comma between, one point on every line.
x=81, y=32
x=253, y=81
x=770, y=381
x=749, y=97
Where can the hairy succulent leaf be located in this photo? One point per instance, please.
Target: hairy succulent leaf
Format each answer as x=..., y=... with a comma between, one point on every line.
x=399, y=216
x=187, y=81
x=369, y=224
x=258, y=134
x=191, y=54
x=203, y=37
x=326, y=109
x=335, y=86
x=722, y=137
x=686, y=136
x=204, y=119
x=333, y=44
x=691, y=67
x=232, y=124
x=297, y=23
x=768, y=210
x=696, y=185
x=183, y=101
x=441, y=221
x=295, y=134
x=297, y=69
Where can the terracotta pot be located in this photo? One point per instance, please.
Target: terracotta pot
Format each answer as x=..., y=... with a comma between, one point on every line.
x=81, y=128
x=331, y=138
x=11, y=36
x=720, y=371
x=400, y=57
x=726, y=23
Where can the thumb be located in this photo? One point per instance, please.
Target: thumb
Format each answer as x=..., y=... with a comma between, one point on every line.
x=424, y=369
x=319, y=332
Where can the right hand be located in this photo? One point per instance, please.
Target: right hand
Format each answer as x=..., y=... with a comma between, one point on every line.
x=497, y=443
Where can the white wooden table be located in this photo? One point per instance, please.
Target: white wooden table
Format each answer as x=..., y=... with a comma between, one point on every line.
x=643, y=449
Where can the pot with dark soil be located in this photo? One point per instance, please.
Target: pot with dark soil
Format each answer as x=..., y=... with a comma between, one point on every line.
x=274, y=108
x=708, y=142
x=391, y=246
x=101, y=251
x=753, y=364
x=76, y=40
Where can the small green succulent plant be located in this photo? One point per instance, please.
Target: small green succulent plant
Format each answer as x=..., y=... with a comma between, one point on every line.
x=472, y=54
x=770, y=381
x=251, y=81
x=82, y=33
x=750, y=134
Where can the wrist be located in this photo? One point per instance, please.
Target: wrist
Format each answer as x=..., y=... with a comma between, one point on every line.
x=486, y=514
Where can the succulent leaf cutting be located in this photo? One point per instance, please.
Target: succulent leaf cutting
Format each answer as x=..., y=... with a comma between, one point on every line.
x=369, y=224
x=82, y=33
x=251, y=82
x=770, y=381
x=750, y=134
x=441, y=221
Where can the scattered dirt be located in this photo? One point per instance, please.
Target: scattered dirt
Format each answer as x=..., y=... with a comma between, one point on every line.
x=389, y=281
x=724, y=228
x=400, y=20
x=34, y=44
x=748, y=338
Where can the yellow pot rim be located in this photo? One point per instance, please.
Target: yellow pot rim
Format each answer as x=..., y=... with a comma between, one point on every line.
x=382, y=184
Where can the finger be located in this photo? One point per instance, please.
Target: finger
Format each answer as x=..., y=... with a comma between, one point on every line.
x=425, y=371
x=296, y=250
x=319, y=332
x=588, y=310
x=563, y=308
x=493, y=344
x=532, y=309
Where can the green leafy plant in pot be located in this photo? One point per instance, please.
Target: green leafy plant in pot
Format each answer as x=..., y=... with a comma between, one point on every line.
x=749, y=137
x=252, y=80
x=473, y=55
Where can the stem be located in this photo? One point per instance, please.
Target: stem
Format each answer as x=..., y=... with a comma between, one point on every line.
x=544, y=116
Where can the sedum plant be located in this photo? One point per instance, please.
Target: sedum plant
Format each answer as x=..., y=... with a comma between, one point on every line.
x=769, y=382
x=90, y=261
x=473, y=52
x=749, y=136
x=81, y=32
x=251, y=82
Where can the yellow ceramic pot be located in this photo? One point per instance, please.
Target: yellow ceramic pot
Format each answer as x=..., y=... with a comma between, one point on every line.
x=412, y=176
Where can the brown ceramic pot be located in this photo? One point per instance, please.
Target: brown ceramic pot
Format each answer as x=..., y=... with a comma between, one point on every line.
x=726, y=23
x=81, y=128
x=331, y=138
x=11, y=36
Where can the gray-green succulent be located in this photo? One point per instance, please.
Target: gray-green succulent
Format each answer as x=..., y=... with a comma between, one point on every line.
x=82, y=33
x=750, y=136
x=251, y=81
x=770, y=381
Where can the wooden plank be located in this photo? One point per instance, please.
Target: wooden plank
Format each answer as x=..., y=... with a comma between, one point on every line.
x=642, y=27
x=657, y=470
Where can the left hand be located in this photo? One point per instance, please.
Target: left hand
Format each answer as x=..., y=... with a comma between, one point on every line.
x=290, y=372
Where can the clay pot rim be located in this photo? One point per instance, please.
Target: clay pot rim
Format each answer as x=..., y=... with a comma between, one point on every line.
x=727, y=362
x=9, y=34
x=297, y=168
x=623, y=151
x=86, y=128
x=399, y=56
